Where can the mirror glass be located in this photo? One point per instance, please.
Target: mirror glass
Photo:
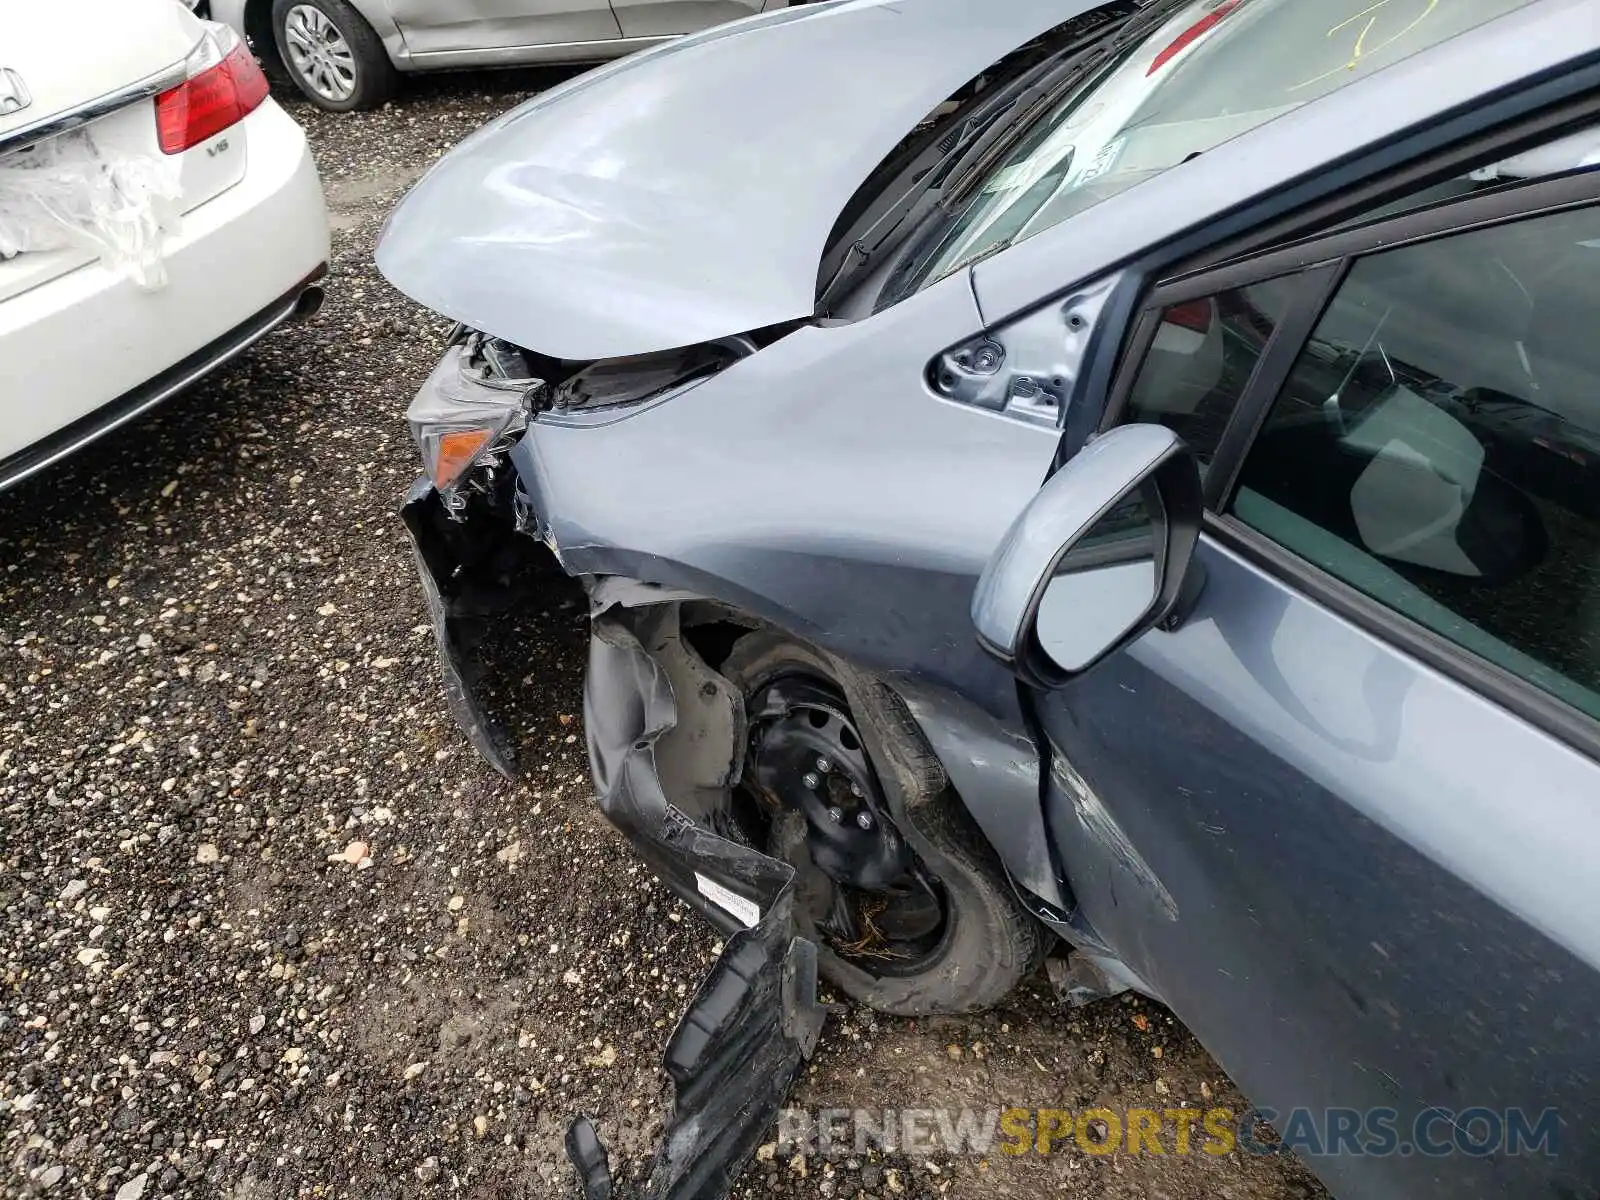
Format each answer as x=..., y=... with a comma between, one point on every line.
x=1104, y=585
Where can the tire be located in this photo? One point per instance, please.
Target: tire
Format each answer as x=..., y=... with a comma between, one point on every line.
x=991, y=943
x=355, y=69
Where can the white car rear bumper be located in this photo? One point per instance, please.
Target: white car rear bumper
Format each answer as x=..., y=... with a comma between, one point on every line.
x=88, y=351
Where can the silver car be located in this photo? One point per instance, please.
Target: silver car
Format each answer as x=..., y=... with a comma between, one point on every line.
x=1129, y=485
x=350, y=54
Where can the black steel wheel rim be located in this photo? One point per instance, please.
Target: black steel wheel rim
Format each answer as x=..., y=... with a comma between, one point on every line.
x=889, y=915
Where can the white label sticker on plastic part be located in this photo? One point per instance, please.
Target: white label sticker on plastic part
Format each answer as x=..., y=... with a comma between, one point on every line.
x=746, y=912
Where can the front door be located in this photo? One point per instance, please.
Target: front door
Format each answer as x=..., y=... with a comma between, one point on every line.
x=453, y=26
x=1345, y=819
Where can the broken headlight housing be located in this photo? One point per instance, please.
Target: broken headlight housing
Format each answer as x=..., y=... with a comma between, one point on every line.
x=619, y=382
x=474, y=405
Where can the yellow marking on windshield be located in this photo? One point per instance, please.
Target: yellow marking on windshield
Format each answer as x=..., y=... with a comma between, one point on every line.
x=1361, y=41
x=1361, y=48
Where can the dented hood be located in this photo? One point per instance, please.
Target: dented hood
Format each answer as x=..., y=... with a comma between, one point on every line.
x=687, y=193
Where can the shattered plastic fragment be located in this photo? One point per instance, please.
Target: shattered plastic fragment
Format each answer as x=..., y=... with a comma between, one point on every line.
x=70, y=191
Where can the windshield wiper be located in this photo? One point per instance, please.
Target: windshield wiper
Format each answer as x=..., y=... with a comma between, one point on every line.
x=951, y=148
x=1068, y=73
x=965, y=138
x=1045, y=91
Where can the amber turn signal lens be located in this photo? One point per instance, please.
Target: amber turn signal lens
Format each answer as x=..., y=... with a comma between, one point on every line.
x=456, y=450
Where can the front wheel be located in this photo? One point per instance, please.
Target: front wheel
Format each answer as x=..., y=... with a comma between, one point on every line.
x=909, y=926
x=332, y=54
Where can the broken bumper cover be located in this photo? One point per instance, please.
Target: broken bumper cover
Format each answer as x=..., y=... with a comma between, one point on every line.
x=458, y=613
x=732, y=1059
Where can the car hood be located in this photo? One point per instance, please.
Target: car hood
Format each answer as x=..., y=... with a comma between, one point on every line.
x=687, y=193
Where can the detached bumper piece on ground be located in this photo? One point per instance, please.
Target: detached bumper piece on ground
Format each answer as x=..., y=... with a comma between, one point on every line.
x=755, y=1018
x=732, y=1059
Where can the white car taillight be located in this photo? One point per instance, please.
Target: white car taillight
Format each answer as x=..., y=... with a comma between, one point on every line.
x=224, y=86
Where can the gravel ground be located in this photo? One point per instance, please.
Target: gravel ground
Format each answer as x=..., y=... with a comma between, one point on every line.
x=271, y=930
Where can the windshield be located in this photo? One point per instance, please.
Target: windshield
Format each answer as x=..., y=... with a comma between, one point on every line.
x=1209, y=72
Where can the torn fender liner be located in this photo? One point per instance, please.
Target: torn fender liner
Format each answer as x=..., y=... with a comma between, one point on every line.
x=755, y=1018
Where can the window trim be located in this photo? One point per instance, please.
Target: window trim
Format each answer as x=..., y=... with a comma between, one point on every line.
x=1312, y=291
x=1544, y=197
x=1317, y=286
x=1323, y=262
x=1570, y=115
x=1204, y=272
x=1336, y=251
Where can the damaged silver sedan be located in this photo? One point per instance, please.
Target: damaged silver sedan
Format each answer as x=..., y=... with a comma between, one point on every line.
x=899, y=379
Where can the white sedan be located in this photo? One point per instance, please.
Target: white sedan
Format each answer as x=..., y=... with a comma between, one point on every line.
x=158, y=214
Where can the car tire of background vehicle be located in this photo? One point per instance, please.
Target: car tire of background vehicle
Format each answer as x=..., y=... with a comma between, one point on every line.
x=992, y=942
x=332, y=54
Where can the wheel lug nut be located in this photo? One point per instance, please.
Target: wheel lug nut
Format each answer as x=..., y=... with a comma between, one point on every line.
x=824, y=765
x=864, y=819
x=811, y=781
x=836, y=815
x=855, y=790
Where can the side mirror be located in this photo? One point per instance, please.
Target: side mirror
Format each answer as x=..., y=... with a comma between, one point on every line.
x=1097, y=559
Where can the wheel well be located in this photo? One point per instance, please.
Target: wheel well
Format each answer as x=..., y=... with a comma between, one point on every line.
x=258, y=27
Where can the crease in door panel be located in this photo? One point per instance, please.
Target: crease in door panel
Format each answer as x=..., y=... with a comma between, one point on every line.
x=1099, y=825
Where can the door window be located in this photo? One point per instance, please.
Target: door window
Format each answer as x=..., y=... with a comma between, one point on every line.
x=1203, y=354
x=1437, y=445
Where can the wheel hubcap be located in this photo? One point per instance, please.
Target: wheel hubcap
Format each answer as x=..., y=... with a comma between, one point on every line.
x=806, y=758
x=319, y=53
